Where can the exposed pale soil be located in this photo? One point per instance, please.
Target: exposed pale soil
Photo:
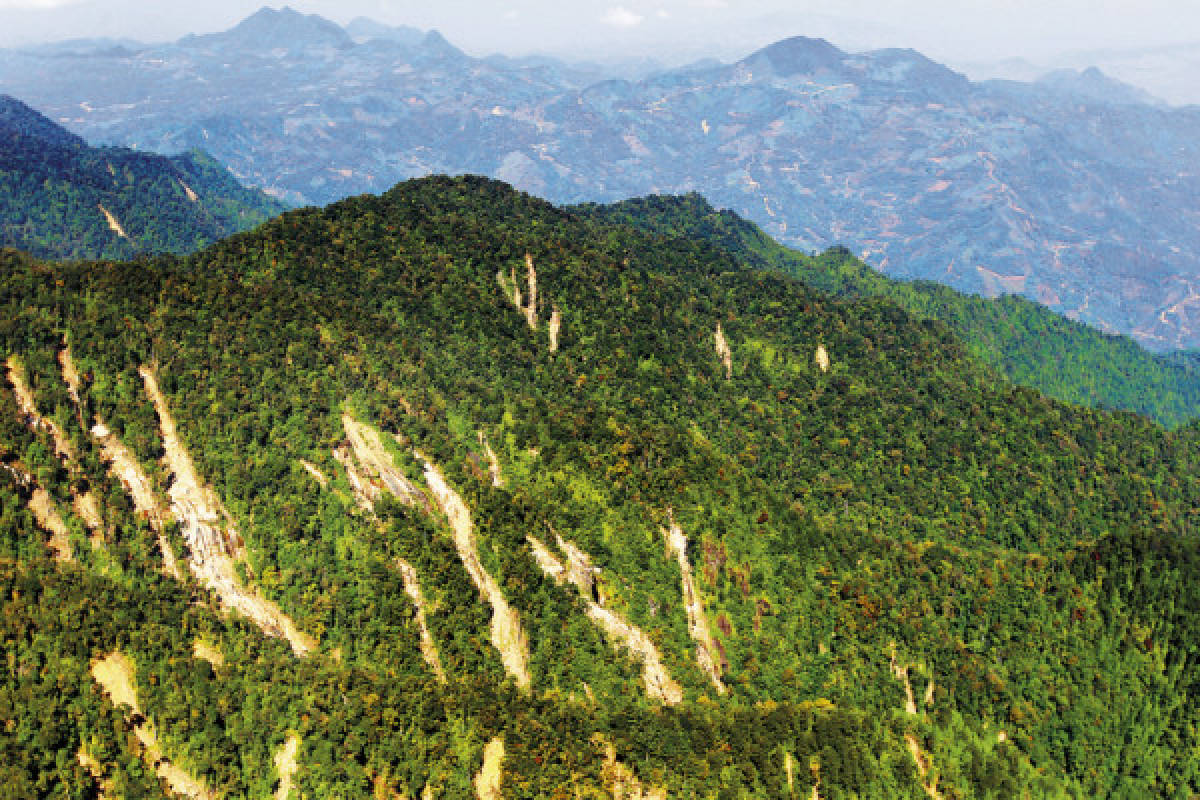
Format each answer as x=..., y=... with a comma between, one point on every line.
x=821, y=357
x=493, y=461
x=311, y=469
x=208, y=652
x=697, y=622
x=723, y=351
x=508, y=636
x=286, y=766
x=115, y=673
x=85, y=504
x=910, y=707
x=213, y=541
x=579, y=572
x=47, y=516
x=113, y=223
x=376, y=466
x=555, y=327
x=622, y=783
x=412, y=587
x=489, y=781
x=137, y=485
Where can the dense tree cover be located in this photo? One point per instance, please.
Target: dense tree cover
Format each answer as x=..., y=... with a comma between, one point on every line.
x=1025, y=342
x=52, y=188
x=1032, y=563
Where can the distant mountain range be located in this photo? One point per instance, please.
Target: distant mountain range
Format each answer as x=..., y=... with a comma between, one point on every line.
x=1076, y=191
x=60, y=198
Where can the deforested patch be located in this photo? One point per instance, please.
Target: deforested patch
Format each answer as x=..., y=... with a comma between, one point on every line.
x=580, y=573
x=697, y=622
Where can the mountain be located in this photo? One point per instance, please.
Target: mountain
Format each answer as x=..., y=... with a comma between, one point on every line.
x=452, y=492
x=1070, y=192
x=1025, y=342
x=60, y=198
x=1092, y=84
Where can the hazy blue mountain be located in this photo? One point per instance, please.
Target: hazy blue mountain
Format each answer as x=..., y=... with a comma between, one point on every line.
x=1070, y=191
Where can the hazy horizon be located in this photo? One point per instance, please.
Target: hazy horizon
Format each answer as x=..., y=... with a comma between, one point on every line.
x=1013, y=38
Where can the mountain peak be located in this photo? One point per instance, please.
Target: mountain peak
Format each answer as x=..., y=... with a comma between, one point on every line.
x=799, y=55
x=1093, y=84
x=269, y=28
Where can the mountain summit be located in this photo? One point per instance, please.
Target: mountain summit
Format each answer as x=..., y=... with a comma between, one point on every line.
x=267, y=29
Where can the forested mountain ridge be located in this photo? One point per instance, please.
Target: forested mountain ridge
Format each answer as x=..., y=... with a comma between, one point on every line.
x=1026, y=342
x=60, y=198
x=1053, y=190
x=554, y=506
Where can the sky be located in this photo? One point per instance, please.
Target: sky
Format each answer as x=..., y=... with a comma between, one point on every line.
x=669, y=31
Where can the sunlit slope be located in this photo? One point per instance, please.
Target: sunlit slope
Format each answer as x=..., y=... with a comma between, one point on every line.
x=834, y=554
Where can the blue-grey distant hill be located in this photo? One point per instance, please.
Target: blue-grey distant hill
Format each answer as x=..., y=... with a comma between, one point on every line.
x=1076, y=191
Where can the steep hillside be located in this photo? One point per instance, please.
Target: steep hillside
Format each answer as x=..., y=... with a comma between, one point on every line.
x=1027, y=343
x=60, y=198
x=1055, y=190
x=733, y=538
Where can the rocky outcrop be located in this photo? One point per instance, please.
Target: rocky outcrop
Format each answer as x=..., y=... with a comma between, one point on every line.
x=371, y=470
x=697, y=622
x=580, y=573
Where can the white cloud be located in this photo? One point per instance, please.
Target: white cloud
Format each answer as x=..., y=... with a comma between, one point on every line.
x=622, y=17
